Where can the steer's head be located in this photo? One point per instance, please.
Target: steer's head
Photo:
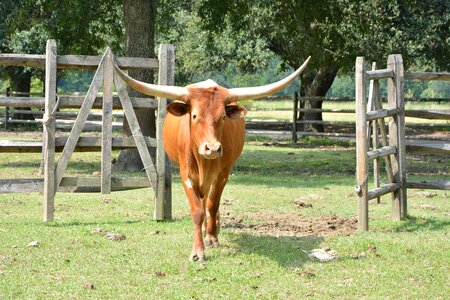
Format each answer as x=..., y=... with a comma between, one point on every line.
x=208, y=106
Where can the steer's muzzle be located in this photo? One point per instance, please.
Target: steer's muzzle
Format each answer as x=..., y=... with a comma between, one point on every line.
x=210, y=150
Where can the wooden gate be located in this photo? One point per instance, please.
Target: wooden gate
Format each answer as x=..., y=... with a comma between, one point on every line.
x=371, y=115
x=158, y=174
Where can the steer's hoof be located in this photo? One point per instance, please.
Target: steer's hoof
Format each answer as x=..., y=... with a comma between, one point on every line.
x=211, y=241
x=197, y=257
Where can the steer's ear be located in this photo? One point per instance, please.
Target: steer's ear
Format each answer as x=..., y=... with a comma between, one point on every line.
x=235, y=111
x=178, y=108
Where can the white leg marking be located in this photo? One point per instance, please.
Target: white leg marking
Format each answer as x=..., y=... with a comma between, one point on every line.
x=188, y=183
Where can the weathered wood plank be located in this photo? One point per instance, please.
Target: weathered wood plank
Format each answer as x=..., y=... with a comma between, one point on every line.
x=434, y=148
x=72, y=102
x=327, y=110
x=427, y=75
x=294, y=118
x=76, y=61
x=22, y=101
x=383, y=190
x=108, y=74
x=79, y=123
x=163, y=197
x=397, y=135
x=382, y=129
x=84, y=144
x=72, y=184
x=49, y=188
x=361, y=145
x=136, y=130
x=430, y=184
x=384, y=151
x=381, y=113
x=92, y=62
x=428, y=114
x=379, y=74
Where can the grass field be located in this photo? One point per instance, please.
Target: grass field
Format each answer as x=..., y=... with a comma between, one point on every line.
x=265, y=237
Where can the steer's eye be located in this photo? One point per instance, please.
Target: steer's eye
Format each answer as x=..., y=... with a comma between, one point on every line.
x=194, y=117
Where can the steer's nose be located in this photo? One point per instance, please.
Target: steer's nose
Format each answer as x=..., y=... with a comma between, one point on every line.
x=211, y=150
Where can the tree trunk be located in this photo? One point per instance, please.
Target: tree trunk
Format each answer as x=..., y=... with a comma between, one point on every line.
x=21, y=83
x=316, y=85
x=139, y=16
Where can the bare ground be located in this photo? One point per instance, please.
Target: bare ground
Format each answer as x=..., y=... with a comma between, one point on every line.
x=297, y=225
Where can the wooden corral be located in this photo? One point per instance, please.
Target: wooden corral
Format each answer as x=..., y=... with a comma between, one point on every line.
x=158, y=172
x=371, y=133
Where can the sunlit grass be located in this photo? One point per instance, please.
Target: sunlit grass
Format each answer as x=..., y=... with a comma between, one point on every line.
x=410, y=260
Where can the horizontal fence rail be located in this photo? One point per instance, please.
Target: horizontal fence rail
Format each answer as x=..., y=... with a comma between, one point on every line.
x=76, y=61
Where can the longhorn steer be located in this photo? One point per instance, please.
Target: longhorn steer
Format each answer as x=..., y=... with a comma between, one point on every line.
x=204, y=133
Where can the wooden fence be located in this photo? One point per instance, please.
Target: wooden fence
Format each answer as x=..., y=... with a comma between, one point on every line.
x=371, y=130
x=158, y=173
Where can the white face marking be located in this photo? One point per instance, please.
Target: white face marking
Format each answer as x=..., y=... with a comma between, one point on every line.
x=188, y=183
x=207, y=84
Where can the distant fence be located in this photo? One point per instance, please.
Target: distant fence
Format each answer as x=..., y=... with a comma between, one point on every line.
x=346, y=129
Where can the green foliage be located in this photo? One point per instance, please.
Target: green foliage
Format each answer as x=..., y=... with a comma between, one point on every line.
x=337, y=31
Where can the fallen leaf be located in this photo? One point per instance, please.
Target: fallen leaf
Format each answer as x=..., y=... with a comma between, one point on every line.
x=372, y=248
x=427, y=194
x=115, y=236
x=308, y=274
x=301, y=203
x=34, y=244
x=323, y=255
x=315, y=196
x=427, y=206
x=360, y=256
x=160, y=274
x=99, y=230
x=107, y=200
x=202, y=267
x=89, y=286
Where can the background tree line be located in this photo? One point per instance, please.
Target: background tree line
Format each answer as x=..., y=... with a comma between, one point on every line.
x=235, y=42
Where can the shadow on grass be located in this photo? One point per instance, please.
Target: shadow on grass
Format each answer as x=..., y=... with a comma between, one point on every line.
x=286, y=251
x=21, y=164
x=76, y=223
x=421, y=224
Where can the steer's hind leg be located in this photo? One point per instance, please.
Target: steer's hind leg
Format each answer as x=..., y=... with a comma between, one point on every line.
x=212, y=204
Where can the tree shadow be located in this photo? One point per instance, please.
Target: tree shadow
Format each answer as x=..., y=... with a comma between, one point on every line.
x=421, y=224
x=286, y=251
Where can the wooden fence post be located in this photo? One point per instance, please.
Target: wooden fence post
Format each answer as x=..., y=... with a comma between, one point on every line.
x=397, y=135
x=361, y=145
x=163, y=195
x=294, y=118
x=8, y=94
x=49, y=132
x=108, y=74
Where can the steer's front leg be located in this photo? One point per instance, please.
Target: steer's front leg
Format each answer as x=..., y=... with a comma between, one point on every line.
x=197, y=206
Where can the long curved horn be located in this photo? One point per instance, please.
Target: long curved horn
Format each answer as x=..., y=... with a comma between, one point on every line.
x=163, y=91
x=238, y=94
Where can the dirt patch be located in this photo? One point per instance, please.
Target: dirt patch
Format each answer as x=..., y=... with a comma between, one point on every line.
x=289, y=224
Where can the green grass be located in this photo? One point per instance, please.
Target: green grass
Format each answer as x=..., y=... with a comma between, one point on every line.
x=411, y=261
